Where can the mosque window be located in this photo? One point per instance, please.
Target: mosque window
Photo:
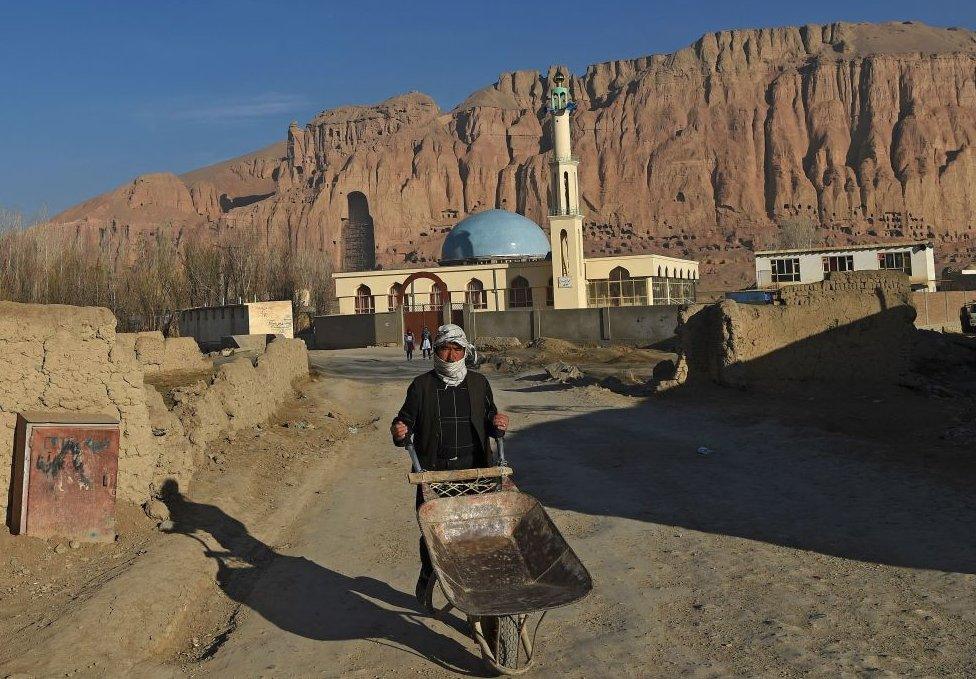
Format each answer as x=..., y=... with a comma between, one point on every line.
x=619, y=289
x=566, y=209
x=475, y=294
x=364, y=300
x=393, y=298
x=519, y=293
x=564, y=251
x=436, y=297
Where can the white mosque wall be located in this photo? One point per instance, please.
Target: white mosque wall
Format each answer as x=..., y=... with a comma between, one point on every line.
x=641, y=266
x=496, y=280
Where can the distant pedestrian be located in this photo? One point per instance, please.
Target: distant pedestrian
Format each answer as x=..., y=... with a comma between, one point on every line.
x=408, y=342
x=425, y=347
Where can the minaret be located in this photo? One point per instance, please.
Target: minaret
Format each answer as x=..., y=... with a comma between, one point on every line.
x=565, y=217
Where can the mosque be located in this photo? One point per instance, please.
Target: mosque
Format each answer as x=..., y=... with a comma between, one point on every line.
x=497, y=260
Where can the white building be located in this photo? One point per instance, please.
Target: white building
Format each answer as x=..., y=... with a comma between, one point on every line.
x=775, y=268
x=496, y=259
x=210, y=325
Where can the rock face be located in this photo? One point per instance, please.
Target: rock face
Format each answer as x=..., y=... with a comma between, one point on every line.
x=866, y=131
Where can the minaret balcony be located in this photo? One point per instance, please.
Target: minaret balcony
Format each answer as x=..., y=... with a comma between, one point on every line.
x=573, y=160
x=567, y=212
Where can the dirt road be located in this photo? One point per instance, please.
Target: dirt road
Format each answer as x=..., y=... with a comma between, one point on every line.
x=787, y=550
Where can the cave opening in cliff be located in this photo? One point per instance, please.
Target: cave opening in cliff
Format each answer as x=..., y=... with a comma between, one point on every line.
x=358, y=239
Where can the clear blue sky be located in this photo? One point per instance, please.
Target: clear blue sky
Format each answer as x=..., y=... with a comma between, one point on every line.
x=94, y=93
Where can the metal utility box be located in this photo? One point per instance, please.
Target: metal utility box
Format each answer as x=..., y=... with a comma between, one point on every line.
x=65, y=475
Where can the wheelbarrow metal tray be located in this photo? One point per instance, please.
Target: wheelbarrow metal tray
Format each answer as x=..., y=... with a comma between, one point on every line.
x=500, y=554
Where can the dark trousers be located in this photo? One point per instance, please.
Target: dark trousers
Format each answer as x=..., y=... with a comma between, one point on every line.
x=409, y=350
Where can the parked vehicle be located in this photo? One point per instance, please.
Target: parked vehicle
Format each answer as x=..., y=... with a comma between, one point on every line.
x=967, y=317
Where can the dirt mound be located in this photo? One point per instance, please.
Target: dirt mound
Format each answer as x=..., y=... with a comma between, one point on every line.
x=498, y=343
x=550, y=345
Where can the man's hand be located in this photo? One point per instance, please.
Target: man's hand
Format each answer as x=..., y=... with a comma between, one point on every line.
x=500, y=421
x=399, y=430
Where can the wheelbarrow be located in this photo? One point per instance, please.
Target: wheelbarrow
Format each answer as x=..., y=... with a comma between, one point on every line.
x=497, y=556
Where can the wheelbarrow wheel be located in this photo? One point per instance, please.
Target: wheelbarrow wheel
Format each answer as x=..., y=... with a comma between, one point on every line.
x=507, y=646
x=500, y=638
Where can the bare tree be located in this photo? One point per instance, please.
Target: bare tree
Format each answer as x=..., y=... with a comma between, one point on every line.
x=143, y=287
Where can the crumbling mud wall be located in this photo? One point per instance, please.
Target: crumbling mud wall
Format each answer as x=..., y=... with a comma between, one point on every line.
x=240, y=394
x=70, y=359
x=157, y=354
x=855, y=326
x=66, y=359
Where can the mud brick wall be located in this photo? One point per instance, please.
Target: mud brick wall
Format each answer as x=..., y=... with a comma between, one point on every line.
x=855, y=326
x=70, y=359
x=240, y=394
x=66, y=359
x=157, y=354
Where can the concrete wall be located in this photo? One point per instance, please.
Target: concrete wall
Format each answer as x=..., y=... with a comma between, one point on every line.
x=852, y=327
x=207, y=325
x=648, y=324
x=630, y=325
x=270, y=318
x=940, y=310
x=357, y=330
x=512, y=323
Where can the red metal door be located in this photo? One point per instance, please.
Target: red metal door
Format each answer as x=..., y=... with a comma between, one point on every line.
x=416, y=320
x=72, y=481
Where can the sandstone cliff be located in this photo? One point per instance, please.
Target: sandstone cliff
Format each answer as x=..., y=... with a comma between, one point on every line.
x=865, y=130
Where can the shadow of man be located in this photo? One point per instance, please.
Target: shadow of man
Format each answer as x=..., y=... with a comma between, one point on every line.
x=301, y=597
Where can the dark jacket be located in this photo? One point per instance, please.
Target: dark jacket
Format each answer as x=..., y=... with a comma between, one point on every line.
x=419, y=413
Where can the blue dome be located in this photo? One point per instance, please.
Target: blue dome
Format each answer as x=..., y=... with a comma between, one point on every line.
x=495, y=234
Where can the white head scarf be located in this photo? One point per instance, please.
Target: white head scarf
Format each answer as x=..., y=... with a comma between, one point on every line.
x=451, y=374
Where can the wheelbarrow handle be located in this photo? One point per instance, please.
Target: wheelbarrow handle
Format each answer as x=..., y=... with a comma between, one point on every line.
x=500, y=450
x=414, y=460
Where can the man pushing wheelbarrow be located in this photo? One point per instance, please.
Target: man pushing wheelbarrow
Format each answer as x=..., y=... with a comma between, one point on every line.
x=493, y=550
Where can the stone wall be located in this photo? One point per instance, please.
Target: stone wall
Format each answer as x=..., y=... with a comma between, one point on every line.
x=66, y=359
x=851, y=327
x=157, y=354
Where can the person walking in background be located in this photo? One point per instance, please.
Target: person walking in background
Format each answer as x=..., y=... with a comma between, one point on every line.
x=408, y=342
x=425, y=346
